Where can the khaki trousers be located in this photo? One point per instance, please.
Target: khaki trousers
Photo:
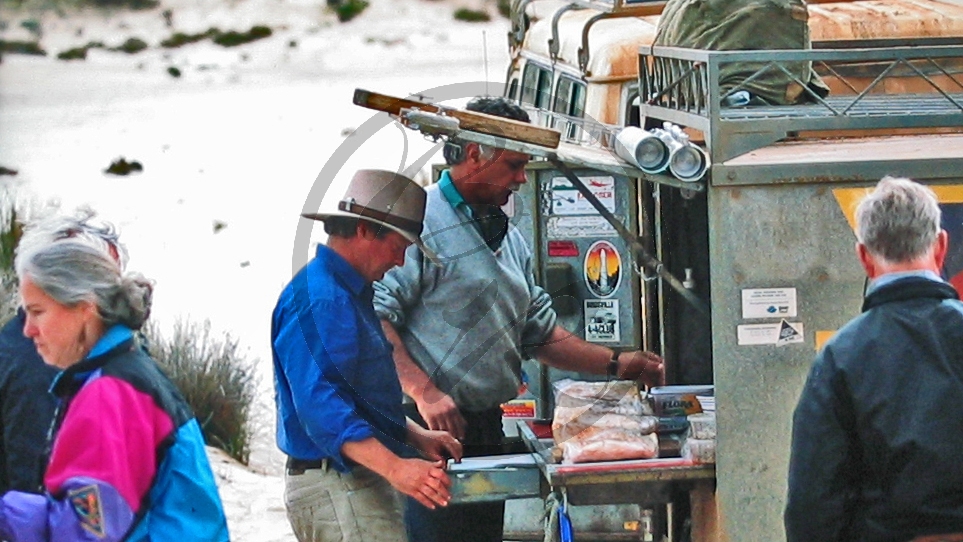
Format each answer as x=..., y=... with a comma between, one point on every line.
x=324, y=505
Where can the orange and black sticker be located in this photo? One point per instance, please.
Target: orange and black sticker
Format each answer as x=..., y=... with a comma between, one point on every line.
x=603, y=269
x=88, y=506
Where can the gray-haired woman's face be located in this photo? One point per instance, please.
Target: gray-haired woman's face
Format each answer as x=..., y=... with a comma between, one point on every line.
x=62, y=334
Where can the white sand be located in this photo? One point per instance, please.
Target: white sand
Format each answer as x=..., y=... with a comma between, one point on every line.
x=240, y=138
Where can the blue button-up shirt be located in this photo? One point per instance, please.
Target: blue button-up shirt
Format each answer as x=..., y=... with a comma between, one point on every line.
x=334, y=376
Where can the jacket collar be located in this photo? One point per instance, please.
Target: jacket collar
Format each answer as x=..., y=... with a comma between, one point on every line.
x=910, y=287
x=116, y=338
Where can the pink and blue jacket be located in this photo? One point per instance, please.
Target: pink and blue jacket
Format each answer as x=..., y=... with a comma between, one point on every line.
x=127, y=461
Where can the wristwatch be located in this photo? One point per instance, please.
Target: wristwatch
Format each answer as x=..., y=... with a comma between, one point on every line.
x=612, y=369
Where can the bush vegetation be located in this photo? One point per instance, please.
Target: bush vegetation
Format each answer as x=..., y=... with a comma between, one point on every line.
x=349, y=9
x=217, y=381
x=11, y=230
x=471, y=15
x=178, y=39
x=131, y=46
x=22, y=47
x=232, y=38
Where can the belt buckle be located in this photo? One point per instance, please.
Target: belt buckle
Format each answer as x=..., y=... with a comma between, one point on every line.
x=324, y=466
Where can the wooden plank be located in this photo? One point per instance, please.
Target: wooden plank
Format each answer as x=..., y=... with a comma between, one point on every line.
x=468, y=120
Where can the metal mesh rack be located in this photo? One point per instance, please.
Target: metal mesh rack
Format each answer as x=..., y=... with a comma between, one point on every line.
x=875, y=88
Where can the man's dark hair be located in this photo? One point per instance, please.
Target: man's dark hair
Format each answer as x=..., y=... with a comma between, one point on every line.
x=347, y=226
x=497, y=106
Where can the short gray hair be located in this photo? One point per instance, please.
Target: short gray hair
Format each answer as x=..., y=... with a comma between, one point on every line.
x=899, y=220
x=82, y=268
x=82, y=224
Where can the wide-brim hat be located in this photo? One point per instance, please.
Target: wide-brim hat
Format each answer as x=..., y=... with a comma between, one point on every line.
x=386, y=198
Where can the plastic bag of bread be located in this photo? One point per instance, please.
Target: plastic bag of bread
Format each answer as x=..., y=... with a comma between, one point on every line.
x=603, y=421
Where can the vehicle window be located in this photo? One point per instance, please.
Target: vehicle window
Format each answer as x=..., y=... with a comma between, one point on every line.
x=513, y=89
x=569, y=97
x=536, y=85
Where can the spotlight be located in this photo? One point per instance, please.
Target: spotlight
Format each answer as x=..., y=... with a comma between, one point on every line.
x=687, y=162
x=643, y=149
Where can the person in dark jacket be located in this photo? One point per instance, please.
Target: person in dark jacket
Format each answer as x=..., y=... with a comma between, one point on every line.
x=127, y=460
x=877, y=432
x=26, y=409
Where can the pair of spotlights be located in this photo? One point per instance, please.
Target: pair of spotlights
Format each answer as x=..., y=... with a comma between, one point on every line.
x=654, y=151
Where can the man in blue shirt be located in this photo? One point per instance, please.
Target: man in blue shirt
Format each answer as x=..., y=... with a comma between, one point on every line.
x=339, y=402
x=877, y=432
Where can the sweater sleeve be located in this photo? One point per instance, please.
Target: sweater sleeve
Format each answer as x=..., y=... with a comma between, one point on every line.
x=541, y=317
x=400, y=288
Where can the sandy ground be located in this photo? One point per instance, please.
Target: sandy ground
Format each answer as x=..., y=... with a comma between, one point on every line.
x=247, y=138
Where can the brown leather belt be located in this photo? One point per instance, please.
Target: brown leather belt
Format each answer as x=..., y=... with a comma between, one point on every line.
x=949, y=537
x=298, y=466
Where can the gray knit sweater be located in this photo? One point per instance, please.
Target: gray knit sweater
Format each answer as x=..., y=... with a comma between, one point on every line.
x=469, y=321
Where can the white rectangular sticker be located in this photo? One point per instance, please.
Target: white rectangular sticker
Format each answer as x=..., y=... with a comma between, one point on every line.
x=566, y=227
x=602, y=320
x=769, y=303
x=567, y=200
x=779, y=334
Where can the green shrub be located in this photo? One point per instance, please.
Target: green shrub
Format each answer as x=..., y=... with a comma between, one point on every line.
x=33, y=26
x=178, y=39
x=132, y=4
x=349, y=9
x=232, y=38
x=22, y=47
x=79, y=53
x=11, y=230
x=505, y=8
x=471, y=15
x=218, y=382
x=131, y=46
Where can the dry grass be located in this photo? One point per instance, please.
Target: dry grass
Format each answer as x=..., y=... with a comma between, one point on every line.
x=216, y=380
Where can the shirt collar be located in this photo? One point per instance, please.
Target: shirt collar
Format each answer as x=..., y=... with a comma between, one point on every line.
x=883, y=280
x=450, y=191
x=342, y=270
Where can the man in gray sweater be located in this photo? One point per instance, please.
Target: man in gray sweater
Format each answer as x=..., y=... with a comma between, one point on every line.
x=461, y=327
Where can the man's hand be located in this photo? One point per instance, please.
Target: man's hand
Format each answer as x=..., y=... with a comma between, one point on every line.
x=425, y=481
x=642, y=365
x=439, y=411
x=434, y=444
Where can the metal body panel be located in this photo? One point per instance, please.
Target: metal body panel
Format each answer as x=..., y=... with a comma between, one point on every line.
x=489, y=485
x=923, y=156
x=773, y=236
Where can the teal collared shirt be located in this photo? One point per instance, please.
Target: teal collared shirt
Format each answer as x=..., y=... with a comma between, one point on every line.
x=492, y=226
x=451, y=193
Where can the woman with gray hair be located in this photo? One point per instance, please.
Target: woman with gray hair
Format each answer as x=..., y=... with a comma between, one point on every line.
x=127, y=458
x=26, y=406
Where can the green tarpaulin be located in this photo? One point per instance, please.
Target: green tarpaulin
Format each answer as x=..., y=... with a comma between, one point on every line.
x=723, y=25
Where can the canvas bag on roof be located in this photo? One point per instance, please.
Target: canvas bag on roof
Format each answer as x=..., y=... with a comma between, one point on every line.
x=723, y=25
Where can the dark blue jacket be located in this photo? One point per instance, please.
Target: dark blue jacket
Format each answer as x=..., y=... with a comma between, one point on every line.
x=877, y=445
x=26, y=409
